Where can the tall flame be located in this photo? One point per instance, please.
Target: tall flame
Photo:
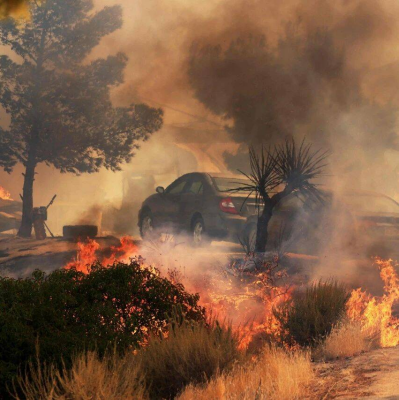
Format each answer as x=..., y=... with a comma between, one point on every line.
x=375, y=313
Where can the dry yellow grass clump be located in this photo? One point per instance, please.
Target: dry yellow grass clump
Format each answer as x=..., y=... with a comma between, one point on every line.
x=345, y=340
x=276, y=375
x=113, y=378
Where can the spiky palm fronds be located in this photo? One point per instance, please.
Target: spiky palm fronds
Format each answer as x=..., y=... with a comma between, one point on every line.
x=297, y=166
x=263, y=177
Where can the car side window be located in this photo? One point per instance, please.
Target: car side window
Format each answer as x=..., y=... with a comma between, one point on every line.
x=196, y=187
x=176, y=187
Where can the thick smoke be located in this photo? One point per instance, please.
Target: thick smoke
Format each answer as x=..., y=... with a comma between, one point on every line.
x=324, y=70
x=309, y=82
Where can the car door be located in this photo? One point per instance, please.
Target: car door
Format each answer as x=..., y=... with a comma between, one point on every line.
x=169, y=204
x=191, y=201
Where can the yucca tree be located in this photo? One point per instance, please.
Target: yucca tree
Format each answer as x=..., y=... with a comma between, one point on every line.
x=277, y=172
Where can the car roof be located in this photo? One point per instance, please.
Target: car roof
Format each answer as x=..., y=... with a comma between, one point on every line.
x=226, y=175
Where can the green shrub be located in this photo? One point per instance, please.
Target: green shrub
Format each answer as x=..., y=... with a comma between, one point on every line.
x=192, y=353
x=311, y=314
x=67, y=312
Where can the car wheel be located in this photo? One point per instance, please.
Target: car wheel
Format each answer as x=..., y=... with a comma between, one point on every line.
x=198, y=233
x=146, y=226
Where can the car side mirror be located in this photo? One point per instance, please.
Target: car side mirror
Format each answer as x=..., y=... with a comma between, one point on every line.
x=160, y=190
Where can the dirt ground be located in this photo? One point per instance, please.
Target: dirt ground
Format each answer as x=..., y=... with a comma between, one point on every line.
x=373, y=375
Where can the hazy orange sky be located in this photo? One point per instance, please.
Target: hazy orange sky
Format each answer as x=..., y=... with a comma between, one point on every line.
x=157, y=35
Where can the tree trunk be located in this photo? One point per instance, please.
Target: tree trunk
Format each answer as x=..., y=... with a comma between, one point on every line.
x=261, y=231
x=27, y=201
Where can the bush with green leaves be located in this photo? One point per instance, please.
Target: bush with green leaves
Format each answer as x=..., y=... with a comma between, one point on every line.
x=66, y=312
x=311, y=314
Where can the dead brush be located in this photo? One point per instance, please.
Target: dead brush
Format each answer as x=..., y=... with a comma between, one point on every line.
x=276, y=375
x=191, y=353
x=346, y=339
x=260, y=275
x=109, y=378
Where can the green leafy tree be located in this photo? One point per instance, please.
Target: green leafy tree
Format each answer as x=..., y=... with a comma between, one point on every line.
x=59, y=102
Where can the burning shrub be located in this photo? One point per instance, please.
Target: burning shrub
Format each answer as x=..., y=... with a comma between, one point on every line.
x=192, y=353
x=276, y=375
x=68, y=311
x=310, y=315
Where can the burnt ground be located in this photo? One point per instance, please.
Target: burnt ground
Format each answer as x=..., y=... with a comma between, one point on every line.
x=372, y=375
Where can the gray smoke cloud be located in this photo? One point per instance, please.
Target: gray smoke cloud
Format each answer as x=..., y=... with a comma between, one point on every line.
x=311, y=80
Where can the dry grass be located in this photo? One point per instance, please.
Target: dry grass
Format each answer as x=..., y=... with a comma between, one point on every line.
x=276, y=375
x=346, y=340
x=192, y=353
x=90, y=378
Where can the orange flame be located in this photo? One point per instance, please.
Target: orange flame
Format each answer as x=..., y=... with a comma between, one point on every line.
x=375, y=314
x=4, y=194
x=87, y=254
x=123, y=253
x=249, y=308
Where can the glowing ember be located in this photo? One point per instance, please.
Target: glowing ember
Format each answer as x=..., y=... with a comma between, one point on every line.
x=375, y=313
x=4, y=194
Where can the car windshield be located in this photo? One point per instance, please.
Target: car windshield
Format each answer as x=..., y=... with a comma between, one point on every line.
x=229, y=184
x=370, y=203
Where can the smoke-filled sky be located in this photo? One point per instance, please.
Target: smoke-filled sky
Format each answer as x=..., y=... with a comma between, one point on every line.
x=324, y=70
x=327, y=70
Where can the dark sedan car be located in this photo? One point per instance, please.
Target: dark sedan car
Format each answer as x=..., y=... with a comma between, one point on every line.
x=199, y=203
x=204, y=205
